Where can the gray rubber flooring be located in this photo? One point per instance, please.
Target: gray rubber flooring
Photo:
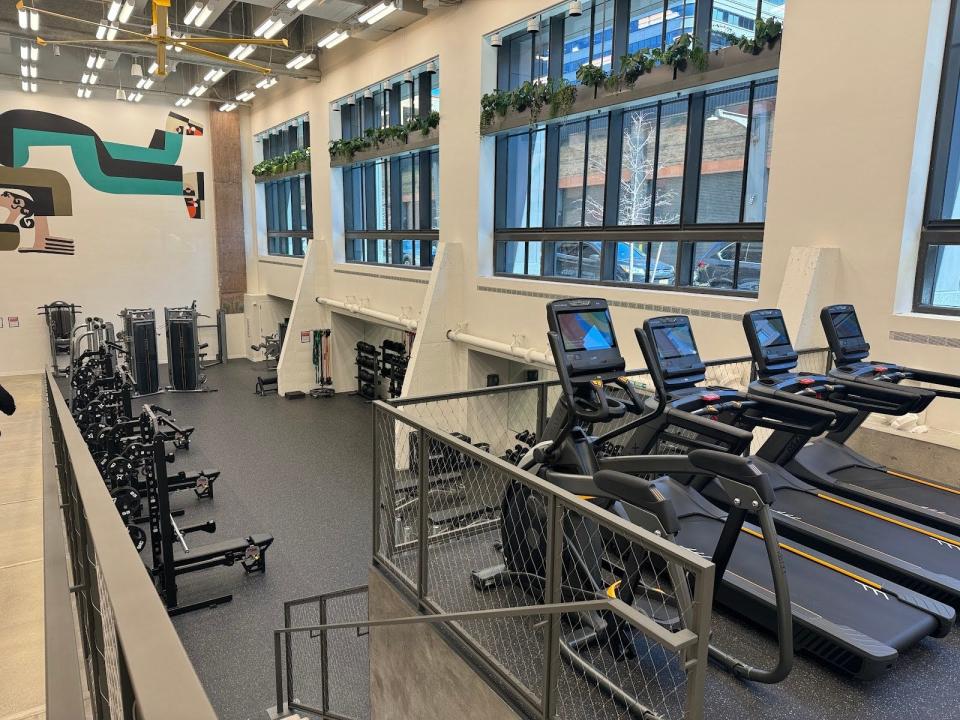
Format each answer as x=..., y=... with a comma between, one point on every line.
x=301, y=470
x=298, y=469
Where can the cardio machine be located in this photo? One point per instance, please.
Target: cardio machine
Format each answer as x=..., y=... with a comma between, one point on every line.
x=595, y=390
x=855, y=392
x=844, y=612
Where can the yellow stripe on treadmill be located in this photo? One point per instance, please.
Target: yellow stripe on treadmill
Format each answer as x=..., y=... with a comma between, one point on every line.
x=890, y=520
x=922, y=482
x=819, y=561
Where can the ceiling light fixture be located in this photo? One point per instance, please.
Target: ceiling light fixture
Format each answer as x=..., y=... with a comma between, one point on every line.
x=246, y=95
x=214, y=75
x=153, y=68
x=496, y=40
x=197, y=90
x=34, y=21
x=267, y=83
x=84, y=93
x=575, y=9
x=408, y=77
x=114, y=12
x=333, y=39
x=242, y=52
x=204, y=15
x=228, y=107
x=533, y=24
x=112, y=31
x=136, y=70
x=144, y=83
x=275, y=28
x=33, y=87
x=304, y=4
x=135, y=97
x=126, y=11
x=183, y=102
x=91, y=60
x=101, y=30
x=376, y=13
x=301, y=61
x=101, y=61
x=264, y=26
x=431, y=67
x=23, y=18
x=192, y=13
x=24, y=70
x=25, y=86
x=121, y=95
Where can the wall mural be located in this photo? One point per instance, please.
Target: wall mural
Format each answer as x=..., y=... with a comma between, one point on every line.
x=31, y=195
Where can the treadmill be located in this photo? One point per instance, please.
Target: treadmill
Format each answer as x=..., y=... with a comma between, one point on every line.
x=854, y=390
x=850, y=619
x=908, y=553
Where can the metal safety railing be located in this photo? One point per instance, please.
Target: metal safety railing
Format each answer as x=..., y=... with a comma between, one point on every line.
x=441, y=533
x=130, y=662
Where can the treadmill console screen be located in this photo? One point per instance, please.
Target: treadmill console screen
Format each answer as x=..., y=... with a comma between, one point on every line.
x=582, y=337
x=674, y=342
x=676, y=351
x=590, y=330
x=769, y=341
x=844, y=333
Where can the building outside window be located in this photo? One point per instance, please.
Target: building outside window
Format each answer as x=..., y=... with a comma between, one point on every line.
x=937, y=287
x=391, y=205
x=288, y=199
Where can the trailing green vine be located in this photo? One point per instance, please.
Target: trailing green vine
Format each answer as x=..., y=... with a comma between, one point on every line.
x=560, y=95
x=283, y=163
x=765, y=35
x=373, y=138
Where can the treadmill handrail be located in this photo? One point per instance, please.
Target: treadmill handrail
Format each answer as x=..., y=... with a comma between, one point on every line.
x=902, y=399
x=843, y=414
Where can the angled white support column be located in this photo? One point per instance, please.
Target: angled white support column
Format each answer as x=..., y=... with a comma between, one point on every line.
x=809, y=283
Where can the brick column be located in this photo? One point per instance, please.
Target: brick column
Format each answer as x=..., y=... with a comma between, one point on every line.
x=228, y=200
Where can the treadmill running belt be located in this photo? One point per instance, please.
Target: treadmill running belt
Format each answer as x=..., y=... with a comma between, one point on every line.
x=901, y=488
x=927, y=552
x=820, y=590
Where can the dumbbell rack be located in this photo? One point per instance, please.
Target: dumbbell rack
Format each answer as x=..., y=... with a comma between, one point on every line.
x=393, y=365
x=367, y=369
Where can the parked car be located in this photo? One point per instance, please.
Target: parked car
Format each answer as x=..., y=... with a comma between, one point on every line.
x=715, y=267
x=567, y=263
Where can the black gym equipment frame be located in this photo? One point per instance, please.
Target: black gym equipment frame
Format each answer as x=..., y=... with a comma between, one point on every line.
x=167, y=564
x=846, y=613
x=855, y=388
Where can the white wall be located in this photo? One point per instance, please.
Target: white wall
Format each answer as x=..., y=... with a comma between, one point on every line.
x=131, y=250
x=850, y=156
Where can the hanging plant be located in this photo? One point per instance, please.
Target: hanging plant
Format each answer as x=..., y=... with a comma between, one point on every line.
x=282, y=163
x=592, y=76
x=682, y=51
x=766, y=33
x=344, y=149
x=562, y=96
x=632, y=66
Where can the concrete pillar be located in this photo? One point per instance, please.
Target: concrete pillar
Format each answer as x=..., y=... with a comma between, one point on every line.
x=228, y=200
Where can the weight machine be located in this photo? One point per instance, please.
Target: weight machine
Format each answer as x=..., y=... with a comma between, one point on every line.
x=61, y=318
x=139, y=336
x=167, y=564
x=184, y=350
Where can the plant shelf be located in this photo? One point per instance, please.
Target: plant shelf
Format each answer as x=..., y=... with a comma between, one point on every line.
x=416, y=141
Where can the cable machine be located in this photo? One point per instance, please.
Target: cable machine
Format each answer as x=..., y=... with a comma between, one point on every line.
x=184, y=349
x=139, y=336
x=61, y=318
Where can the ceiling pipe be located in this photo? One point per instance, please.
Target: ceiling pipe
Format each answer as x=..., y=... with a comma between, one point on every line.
x=358, y=309
x=528, y=355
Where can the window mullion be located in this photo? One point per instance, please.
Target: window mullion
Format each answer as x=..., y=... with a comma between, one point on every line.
x=586, y=169
x=693, y=155
x=614, y=168
x=746, y=152
x=656, y=166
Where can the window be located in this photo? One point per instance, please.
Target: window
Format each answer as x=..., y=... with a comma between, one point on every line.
x=588, y=38
x=738, y=17
x=682, y=202
x=647, y=28
x=287, y=200
x=937, y=287
x=387, y=217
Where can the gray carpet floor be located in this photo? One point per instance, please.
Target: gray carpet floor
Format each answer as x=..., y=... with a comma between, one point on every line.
x=301, y=469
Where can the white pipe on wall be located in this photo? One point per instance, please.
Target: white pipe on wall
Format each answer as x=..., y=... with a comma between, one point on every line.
x=358, y=309
x=528, y=355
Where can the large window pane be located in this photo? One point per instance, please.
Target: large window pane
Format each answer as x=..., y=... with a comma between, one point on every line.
x=596, y=172
x=576, y=44
x=732, y=16
x=670, y=162
x=646, y=25
x=748, y=269
x=639, y=148
x=435, y=190
x=721, y=168
x=517, y=176
x=510, y=257
x=381, y=184
x=941, y=285
x=521, y=60
x=590, y=260
x=680, y=15
x=409, y=207
x=573, y=139
x=562, y=259
x=602, y=53
x=761, y=143
x=713, y=264
x=534, y=258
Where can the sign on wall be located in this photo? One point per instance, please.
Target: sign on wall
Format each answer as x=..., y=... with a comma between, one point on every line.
x=29, y=196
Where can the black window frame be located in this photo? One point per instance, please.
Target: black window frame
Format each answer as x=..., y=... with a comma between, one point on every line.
x=938, y=232
x=287, y=235
x=687, y=232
